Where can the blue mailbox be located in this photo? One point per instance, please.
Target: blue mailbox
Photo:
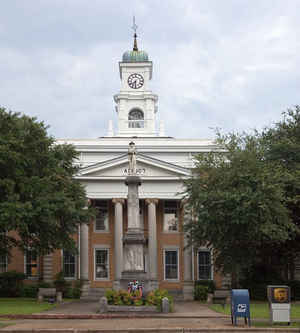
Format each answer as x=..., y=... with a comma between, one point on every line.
x=240, y=305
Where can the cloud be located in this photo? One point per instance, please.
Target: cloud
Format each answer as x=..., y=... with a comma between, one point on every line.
x=232, y=64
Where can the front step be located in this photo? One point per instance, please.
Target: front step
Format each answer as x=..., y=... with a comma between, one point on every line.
x=94, y=294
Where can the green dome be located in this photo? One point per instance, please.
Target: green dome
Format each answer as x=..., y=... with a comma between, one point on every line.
x=135, y=56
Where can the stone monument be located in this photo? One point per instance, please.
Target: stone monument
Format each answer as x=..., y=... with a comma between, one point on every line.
x=134, y=238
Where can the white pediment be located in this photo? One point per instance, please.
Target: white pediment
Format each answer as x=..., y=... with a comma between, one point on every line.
x=147, y=168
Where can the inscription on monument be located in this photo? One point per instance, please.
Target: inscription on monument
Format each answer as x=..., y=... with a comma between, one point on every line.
x=138, y=171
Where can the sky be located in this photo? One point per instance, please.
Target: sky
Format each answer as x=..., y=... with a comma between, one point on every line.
x=232, y=65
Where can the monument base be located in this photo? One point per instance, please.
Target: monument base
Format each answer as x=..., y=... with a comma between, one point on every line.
x=134, y=236
x=130, y=276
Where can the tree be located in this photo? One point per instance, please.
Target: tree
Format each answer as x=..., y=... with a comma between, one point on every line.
x=283, y=147
x=41, y=204
x=237, y=202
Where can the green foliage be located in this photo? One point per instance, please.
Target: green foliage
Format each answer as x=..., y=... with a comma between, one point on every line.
x=76, y=290
x=11, y=283
x=39, y=197
x=200, y=293
x=295, y=289
x=43, y=284
x=283, y=143
x=110, y=295
x=23, y=306
x=155, y=298
x=257, y=310
x=123, y=297
x=237, y=202
x=61, y=284
x=210, y=284
x=30, y=291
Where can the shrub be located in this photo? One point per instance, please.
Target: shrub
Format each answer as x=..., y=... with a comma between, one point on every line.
x=210, y=284
x=77, y=289
x=200, y=293
x=295, y=289
x=29, y=291
x=61, y=284
x=157, y=296
x=110, y=295
x=11, y=283
x=123, y=297
x=43, y=284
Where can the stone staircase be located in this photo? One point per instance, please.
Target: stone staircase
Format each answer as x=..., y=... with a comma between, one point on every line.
x=94, y=294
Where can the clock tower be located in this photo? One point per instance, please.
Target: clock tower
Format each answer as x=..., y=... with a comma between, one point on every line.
x=136, y=105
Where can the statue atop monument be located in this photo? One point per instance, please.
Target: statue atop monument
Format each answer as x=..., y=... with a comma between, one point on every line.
x=132, y=158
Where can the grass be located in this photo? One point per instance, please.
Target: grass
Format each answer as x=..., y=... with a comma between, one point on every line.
x=257, y=310
x=275, y=325
x=23, y=306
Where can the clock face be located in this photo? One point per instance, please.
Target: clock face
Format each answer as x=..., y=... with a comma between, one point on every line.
x=135, y=81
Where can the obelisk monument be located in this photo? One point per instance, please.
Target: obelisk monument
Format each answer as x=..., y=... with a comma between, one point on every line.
x=134, y=237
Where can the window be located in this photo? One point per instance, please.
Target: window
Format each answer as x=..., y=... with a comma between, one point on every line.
x=171, y=216
x=69, y=264
x=204, y=265
x=101, y=264
x=171, y=264
x=3, y=264
x=136, y=119
x=31, y=264
x=101, y=223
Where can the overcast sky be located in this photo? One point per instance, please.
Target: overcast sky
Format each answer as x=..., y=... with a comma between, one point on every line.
x=231, y=64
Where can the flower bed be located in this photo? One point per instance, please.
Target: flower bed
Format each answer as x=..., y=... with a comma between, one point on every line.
x=123, y=300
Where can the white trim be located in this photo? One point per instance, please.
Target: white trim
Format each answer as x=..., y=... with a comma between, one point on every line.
x=171, y=248
x=123, y=159
x=105, y=231
x=177, y=217
x=144, y=178
x=62, y=267
x=205, y=249
x=102, y=247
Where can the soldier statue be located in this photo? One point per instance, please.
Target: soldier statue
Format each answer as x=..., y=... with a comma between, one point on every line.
x=132, y=158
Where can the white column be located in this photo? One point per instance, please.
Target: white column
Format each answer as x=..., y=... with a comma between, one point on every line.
x=84, y=251
x=152, y=241
x=118, y=251
x=188, y=284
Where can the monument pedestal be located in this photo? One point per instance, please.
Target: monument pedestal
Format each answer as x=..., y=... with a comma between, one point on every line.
x=134, y=239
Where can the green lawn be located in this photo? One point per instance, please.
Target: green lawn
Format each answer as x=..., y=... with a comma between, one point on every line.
x=257, y=310
x=22, y=306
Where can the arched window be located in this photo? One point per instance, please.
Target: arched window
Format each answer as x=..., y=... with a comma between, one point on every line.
x=136, y=119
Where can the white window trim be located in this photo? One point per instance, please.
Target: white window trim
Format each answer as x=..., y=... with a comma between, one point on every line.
x=178, y=263
x=37, y=267
x=211, y=262
x=106, y=231
x=62, y=267
x=108, y=262
x=178, y=213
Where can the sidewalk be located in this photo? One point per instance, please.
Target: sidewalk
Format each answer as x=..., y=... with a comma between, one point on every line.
x=185, y=315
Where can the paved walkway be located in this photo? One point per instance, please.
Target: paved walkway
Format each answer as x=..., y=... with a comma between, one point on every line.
x=185, y=315
x=186, y=309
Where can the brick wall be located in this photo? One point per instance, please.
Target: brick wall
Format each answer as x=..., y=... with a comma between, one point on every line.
x=173, y=239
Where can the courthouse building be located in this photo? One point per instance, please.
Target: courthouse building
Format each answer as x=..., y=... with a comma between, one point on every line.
x=163, y=163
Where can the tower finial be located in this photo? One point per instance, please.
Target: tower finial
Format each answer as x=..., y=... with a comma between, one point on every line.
x=134, y=28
